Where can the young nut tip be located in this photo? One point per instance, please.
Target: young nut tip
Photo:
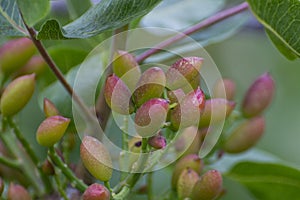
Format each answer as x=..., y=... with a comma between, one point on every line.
x=51, y=130
x=17, y=94
x=96, y=191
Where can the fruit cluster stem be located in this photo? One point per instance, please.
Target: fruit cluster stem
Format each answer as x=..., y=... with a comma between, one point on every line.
x=77, y=183
x=14, y=164
x=31, y=154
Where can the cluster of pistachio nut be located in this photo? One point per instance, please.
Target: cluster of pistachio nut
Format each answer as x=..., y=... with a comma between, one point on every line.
x=18, y=57
x=157, y=100
x=173, y=100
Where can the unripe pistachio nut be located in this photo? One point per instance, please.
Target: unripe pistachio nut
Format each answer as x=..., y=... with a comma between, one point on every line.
x=151, y=116
x=215, y=111
x=191, y=161
x=118, y=96
x=48, y=168
x=183, y=72
x=14, y=54
x=126, y=67
x=36, y=65
x=208, y=187
x=150, y=85
x=245, y=136
x=96, y=158
x=51, y=130
x=186, y=182
x=17, y=94
x=49, y=108
x=157, y=142
x=189, y=141
x=175, y=96
x=224, y=88
x=16, y=191
x=258, y=96
x=193, y=84
x=187, y=112
x=96, y=191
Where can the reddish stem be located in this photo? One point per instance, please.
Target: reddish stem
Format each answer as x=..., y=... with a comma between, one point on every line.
x=203, y=24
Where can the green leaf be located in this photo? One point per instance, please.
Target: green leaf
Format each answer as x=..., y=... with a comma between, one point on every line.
x=106, y=15
x=66, y=56
x=51, y=30
x=34, y=11
x=213, y=34
x=11, y=23
x=169, y=14
x=58, y=95
x=282, y=18
x=281, y=46
x=77, y=7
x=268, y=181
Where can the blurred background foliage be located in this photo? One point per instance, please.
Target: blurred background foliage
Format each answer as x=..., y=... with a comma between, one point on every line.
x=241, y=57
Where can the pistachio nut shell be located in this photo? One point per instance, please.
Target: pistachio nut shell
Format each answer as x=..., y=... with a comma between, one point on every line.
x=245, y=136
x=51, y=130
x=17, y=94
x=96, y=158
x=150, y=85
x=258, y=96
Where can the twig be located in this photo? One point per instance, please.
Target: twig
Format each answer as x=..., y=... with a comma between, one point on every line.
x=77, y=183
x=14, y=164
x=59, y=74
x=30, y=153
x=118, y=42
x=122, y=189
x=203, y=24
x=149, y=186
x=60, y=187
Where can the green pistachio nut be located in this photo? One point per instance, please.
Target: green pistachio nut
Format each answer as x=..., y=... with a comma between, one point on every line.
x=258, y=96
x=189, y=141
x=48, y=168
x=186, y=182
x=208, y=187
x=151, y=116
x=184, y=72
x=96, y=191
x=224, y=88
x=96, y=158
x=157, y=142
x=16, y=191
x=175, y=96
x=36, y=65
x=118, y=96
x=51, y=130
x=215, y=111
x=49, y=108
x=187, y=112
x=150, y=85
x=245, y=136
x=14, y=54
x=126, y=67
x=191, y=161
x=17, y=94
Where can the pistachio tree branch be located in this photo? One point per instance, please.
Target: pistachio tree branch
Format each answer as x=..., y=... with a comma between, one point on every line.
x=201, y=25
x=89, y=116
x=31, y=153
x=77, y=183
x=118, y=43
